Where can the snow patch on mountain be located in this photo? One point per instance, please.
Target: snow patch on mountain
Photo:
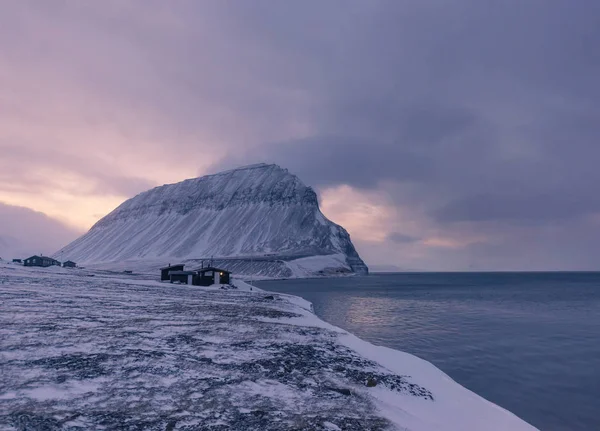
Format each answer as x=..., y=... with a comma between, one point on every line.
x=330, y=264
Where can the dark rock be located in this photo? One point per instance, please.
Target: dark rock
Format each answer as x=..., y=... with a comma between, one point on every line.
x=371, y=382
x=271, y=297
x=343, y=391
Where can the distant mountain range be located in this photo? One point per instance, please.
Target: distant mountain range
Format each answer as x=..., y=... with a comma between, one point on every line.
x=24, y=232
x=387, y=268
x=258, y=219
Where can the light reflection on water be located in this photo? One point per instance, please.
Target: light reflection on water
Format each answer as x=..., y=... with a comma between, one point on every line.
x=528, y=342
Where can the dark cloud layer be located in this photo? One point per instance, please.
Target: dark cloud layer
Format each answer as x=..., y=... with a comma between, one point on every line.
x=489, y=111
x=480, y=121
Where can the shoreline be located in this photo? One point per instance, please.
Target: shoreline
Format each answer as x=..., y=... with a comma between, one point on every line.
x=395, y=407
x=261, y=359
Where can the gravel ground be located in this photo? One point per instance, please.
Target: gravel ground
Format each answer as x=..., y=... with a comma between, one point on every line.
x=118, y=353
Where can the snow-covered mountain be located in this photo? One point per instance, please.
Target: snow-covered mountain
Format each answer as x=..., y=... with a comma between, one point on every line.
x=258, y=219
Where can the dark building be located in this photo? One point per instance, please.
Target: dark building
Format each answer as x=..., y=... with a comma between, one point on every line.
x=211, y=275
x=186, y=277
x=69, y=264
x=17, y=261
x=205, y=276
x=43, y=261
x=164, y=272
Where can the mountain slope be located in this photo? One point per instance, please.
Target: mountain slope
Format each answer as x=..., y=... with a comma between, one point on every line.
x=259, y=212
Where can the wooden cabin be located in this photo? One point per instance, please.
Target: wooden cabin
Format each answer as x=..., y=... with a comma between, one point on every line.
x=185, y=277
x=43, y=261
x=69, y=264
x=164, y=272
x=210, y=275
x=205, y=276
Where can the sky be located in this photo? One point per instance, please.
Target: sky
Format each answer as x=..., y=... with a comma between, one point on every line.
x=443, y=134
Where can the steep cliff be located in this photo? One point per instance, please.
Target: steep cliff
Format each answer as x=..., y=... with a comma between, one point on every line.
x=256, y=215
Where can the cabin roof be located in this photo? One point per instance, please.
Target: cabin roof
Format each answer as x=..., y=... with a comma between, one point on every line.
x=182, y=272
x=41, y=257
x=173, y=266
x=212, y=268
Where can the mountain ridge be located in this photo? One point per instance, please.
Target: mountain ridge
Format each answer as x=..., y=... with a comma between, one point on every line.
x=248, y=212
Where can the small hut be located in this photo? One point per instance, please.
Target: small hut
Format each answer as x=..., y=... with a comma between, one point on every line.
x=43, y=261
x=211, y=275
x=69, y=264
x=164, y=272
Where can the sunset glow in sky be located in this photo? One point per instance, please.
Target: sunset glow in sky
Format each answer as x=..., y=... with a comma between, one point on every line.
x=442, y=135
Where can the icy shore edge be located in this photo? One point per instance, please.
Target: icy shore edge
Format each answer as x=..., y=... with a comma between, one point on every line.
x=83, y=350
x=454, y=408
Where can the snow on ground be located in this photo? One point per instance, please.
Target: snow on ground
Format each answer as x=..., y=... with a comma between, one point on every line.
x=85, y=350
x=255, y=268
x=242, y=286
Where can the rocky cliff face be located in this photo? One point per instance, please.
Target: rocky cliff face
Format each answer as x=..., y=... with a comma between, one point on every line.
x=259, y=212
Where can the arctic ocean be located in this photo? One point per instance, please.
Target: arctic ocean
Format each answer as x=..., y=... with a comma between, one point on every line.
x=525, y=341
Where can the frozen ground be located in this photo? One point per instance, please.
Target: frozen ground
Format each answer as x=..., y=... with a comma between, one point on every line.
x=257, y=267
x=118, y=352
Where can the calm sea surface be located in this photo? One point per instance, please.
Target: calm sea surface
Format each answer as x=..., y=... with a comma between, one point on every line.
x=529, y=342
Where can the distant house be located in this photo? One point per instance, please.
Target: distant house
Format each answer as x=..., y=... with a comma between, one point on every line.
x=43, y=261
x=211, y=275
x=17, y=261
x=164, y=272
x=69, y=264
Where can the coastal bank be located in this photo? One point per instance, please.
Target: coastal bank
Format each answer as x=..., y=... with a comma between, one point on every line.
x=87, y=350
